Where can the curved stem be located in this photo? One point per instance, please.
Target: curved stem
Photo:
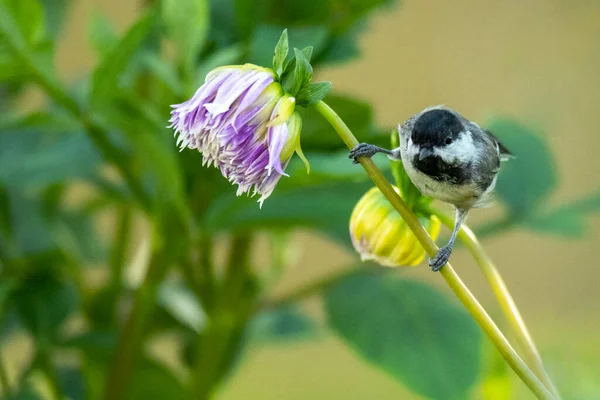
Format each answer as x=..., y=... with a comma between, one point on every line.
x=456, y=284
x=508, y=305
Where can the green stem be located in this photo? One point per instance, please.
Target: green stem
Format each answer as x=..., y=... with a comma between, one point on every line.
x=508, y=305
x=217, y=346
x=452, y=279
x=119, y=253
x=131, y=338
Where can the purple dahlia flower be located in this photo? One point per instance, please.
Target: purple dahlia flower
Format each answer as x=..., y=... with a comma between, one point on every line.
x=243, y=123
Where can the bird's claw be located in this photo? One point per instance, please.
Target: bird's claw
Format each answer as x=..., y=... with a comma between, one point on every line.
x=362, y=150
x=441, y=258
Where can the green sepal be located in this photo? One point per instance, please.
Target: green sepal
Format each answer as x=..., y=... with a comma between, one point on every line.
x=298, y=72
x=312, y=93
x=281, y=52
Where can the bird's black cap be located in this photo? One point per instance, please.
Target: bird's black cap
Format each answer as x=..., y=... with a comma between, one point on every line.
x=433, y=127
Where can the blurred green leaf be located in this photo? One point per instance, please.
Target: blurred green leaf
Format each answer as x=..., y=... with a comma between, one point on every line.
x=324, y=207
x=72, y=382
x=26, y=391
x=187, y=23
x=409, y=330
x=282, y=324
x=44, y=302
x=55, y=13
x=531, y=176
x=164, y=72
x=29, y=16
x=313, y=93
x=105, y=80
x=338, y=14
x=153, y=146
x=152, y=380
x=30, y=229
x=48, y=158
x=266, y=37
x=226, y=56
x=182, y=305
x=570, y=220
x=77, y=233
x=342, y=47
x=101, y=33
x=496, y=383
x=7, y=286
x=562, y=222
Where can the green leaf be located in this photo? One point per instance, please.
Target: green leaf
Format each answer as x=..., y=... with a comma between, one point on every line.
x=410, y=331
x=562, y=222
x=72, y=382
x=105, y=80
x=266, y=36
x=324, y=207
x=282, y=324
x=44, y=302
x=55, y=13
x=187, y=23
x=182, y=305
x=49, y=159
x=30, y=229
x=76, y=232
x=152, y=380
x=529, y=178
x=29, y=16
x=569, y=220
x=101, y=33
x=226, y=56
x=281, y=52
x=26, y=391
x=298, y=72
x=164, y=72
x=313, y=93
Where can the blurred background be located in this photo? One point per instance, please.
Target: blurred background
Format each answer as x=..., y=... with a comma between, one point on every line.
x=535, y=62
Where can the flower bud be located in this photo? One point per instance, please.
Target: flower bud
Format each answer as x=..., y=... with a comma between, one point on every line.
x=379, y=233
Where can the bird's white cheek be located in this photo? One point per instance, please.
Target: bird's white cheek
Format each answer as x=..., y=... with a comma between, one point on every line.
x=461, y=151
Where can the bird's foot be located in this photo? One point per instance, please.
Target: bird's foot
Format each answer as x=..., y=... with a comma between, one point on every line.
x=363, y=150
x=440, y=259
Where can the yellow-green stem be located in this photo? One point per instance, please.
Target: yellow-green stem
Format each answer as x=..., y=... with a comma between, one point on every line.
x=508, y=305
x=458, y=287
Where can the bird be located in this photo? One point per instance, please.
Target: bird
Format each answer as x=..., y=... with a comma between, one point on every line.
x=449, y=158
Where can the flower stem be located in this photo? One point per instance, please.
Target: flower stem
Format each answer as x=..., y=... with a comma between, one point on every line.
x=508, y=305
x=130, y=340
x=218, y=345
x=452, y=279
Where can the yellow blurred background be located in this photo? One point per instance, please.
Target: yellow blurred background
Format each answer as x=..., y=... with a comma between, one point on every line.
x=537, y=61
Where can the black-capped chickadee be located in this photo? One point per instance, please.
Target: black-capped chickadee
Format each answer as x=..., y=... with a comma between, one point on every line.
x=449, y=158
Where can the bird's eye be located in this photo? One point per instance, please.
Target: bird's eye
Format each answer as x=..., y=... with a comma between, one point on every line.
x=448, y=140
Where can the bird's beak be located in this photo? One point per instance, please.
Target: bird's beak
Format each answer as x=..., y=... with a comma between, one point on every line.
x=424, y=153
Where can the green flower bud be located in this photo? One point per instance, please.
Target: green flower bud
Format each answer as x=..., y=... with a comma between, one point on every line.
x=379, y=233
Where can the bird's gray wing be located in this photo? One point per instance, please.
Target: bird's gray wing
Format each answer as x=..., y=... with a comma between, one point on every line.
x=505, y=154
